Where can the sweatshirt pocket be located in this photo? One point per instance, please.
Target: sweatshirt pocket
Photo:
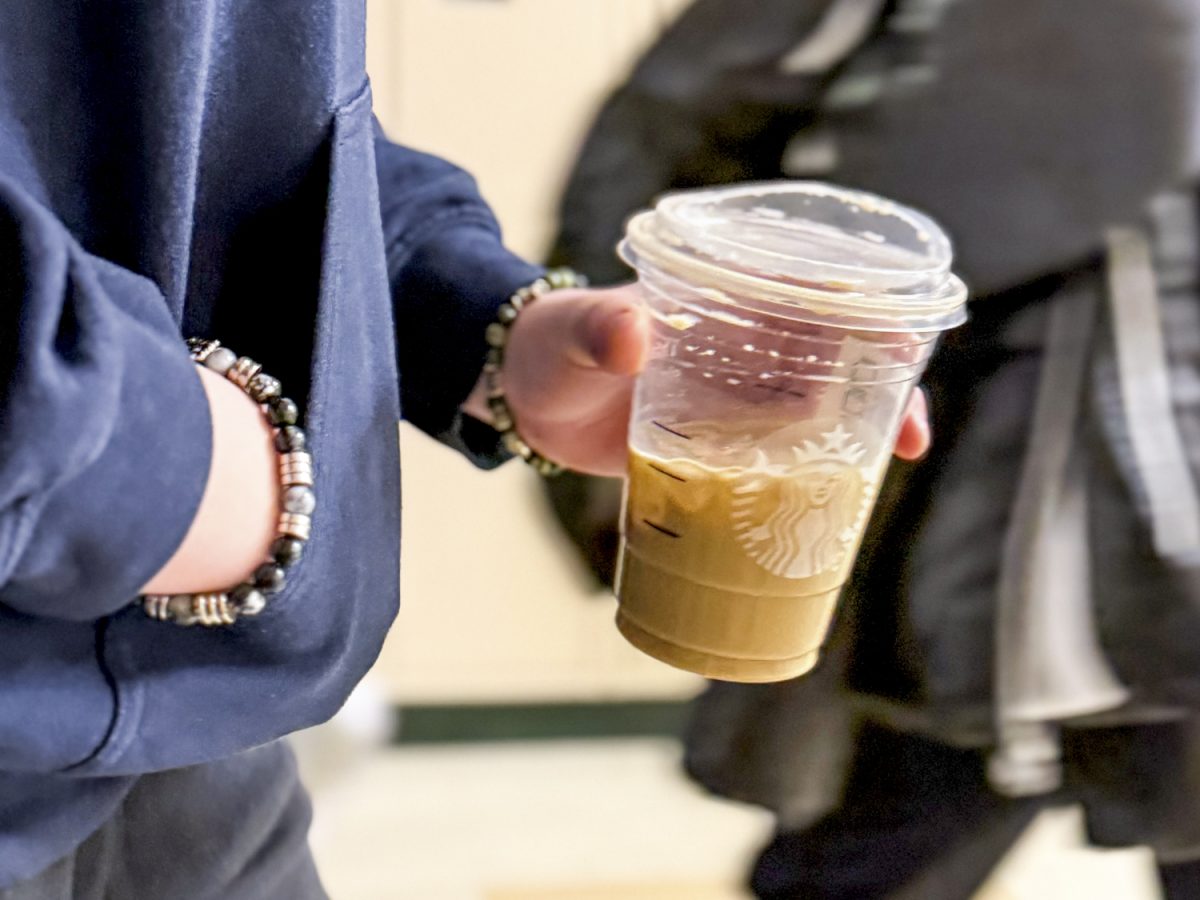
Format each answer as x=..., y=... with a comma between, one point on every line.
x=189, y=695
x=56, y=702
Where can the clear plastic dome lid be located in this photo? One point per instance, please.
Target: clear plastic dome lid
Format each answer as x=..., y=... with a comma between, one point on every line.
x=807, y=249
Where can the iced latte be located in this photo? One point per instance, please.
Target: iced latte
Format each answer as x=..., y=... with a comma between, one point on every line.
x=791, y=322
x=734, y=572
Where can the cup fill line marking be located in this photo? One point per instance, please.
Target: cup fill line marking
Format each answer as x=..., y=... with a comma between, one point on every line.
x=663, y=471
x=780, y=390
x=667, y=531
x=679, y=434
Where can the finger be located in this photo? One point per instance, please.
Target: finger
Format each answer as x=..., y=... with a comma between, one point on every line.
x=611, y=332
x=914, y=439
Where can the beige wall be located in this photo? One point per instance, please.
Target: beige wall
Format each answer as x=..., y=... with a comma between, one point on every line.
x=495, y=607
x=505, y=88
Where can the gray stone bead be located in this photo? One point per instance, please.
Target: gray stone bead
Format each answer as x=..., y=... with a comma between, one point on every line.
x=155, y=606
x=282, y=411
x=254, y=603
x=263, y=388
x=247, y=600
x=299, y=500
x=221, y=360
x=181, y=609
x=289, y=439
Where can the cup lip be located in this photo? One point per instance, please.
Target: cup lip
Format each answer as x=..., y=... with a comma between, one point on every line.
x=651, y=244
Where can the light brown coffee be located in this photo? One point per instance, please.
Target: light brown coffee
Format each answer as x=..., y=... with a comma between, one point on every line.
x=734, y=573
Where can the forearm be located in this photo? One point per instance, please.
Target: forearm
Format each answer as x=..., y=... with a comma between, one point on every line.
x=104, y=425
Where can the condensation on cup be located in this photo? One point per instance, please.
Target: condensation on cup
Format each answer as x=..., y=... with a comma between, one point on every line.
x=791, y=321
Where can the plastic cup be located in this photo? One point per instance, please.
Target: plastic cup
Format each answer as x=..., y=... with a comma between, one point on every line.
x=791, y=321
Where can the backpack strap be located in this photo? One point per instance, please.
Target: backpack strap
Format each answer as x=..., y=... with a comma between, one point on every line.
x=843, y=28
x=1167, y=487
x=1048, y=663
x=870, y=50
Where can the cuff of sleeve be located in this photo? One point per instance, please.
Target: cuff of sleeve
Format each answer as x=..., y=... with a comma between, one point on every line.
x=102, y=534
x=453, y=284
x=477, y=441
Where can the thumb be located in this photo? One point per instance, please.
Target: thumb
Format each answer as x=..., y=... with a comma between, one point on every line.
x=610, y=331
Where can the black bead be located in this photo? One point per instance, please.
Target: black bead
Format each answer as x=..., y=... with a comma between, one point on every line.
x=269, y=578
x=247, y=599
x=290, y=439
x=287, y=550
x=282, y=411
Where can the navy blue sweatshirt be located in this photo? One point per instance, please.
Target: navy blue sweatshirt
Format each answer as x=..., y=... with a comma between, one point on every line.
x=211, y=168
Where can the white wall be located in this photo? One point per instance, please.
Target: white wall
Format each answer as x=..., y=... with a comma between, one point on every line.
x=495, y=606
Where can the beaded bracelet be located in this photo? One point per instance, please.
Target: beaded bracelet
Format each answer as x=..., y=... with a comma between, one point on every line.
x=297, y=501
x=497, y=338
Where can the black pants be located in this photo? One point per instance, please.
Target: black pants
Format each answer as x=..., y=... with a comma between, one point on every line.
x=236, y=829
x=919, y=821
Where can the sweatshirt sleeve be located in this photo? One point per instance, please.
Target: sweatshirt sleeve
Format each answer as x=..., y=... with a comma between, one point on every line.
x=449, y=272
x=105, y=438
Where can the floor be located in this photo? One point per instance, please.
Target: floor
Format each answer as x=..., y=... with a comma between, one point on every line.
x=597, y=819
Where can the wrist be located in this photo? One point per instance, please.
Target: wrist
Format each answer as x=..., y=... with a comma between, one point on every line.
x=238, y=513
x=492, y=389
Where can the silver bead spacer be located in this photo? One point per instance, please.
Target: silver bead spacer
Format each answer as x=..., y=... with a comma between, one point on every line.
x=295, y=525
x=295, y=469
x=156, y=606
x=211, y=610
x=295, y=458
x=297, y=478
x=243, y=370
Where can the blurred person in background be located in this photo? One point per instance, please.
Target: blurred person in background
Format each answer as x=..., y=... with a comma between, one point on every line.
x=211, y=169
x=1023, y=627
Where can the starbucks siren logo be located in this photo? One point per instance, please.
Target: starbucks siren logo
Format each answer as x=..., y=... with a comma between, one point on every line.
x=800, y=519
